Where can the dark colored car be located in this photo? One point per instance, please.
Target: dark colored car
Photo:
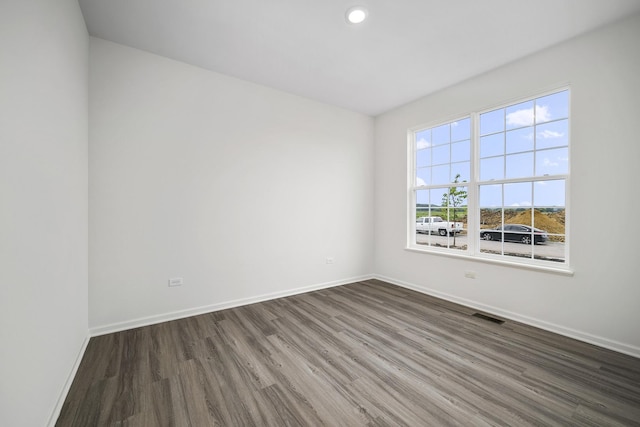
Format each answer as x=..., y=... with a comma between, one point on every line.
x=515, y=233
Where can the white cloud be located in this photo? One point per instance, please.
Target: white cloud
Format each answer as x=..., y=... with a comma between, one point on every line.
x=521, y=204
x=542, y=114
x=549, y=134
x=420, y=181
x=549, y=164
x=520, y=117
x=525, y=117
x=422, y=143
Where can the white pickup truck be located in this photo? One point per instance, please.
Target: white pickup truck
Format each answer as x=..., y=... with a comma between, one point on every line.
x=435, y=224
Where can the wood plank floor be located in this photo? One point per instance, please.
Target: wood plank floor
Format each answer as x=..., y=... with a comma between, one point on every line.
x=364, y=354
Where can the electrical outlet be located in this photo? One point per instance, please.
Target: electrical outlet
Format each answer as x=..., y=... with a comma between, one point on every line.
x=175, y=281
x=330, y=260
x=470, y=274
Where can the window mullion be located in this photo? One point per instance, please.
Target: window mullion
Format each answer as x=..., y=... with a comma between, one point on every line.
x=473, y=210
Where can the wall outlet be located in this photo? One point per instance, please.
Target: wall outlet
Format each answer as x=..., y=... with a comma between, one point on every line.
x=330, y=260
x=175, y=281
x=470, y=274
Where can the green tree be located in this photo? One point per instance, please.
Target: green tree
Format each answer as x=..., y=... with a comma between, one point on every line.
x=452, y=200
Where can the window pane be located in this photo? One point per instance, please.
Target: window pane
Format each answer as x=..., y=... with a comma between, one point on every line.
x=491, y=226
x=554, y=134
x=441, y=154
x=422, y=209
x=560, y=217
x=517, y=248
x=428, y=205
x=549, y=234
x=492, y=145
x=423, y=139
x=491, y=196
x=490, y=242
x=549, y=194
x=520, y=140
x=441, y=174
x=554, y=222
x=516, y=237
x=422, y=200
x=461, y=130
x=461, y=151
x=490, y=218
x=454, y=213
x=552, y=107
x=423, y=176
x=423, y=157
x=552, y=162
x=455, y=199
x=519, y=115
x=435, y=198
x=518, y=194
x=441, y=135
x=492, y=168
x=551, y=221
x=514, y=219
x=463, y=169
x=551, y=250
x=456, y=210
x=519, y=165
x=492, y=122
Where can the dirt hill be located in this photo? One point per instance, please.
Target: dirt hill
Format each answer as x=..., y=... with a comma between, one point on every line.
x=541, y=220
x=551, y=222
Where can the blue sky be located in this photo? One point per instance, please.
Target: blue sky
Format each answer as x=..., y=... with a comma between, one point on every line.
x=522, y=140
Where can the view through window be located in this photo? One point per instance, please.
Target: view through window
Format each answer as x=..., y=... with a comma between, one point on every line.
x=494, y=184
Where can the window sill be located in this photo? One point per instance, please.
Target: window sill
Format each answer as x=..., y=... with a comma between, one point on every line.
x=563, y=271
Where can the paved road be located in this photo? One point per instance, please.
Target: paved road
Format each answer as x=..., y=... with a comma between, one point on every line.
x=549, y=250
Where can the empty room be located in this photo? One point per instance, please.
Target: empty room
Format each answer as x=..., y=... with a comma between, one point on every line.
x=340, y=213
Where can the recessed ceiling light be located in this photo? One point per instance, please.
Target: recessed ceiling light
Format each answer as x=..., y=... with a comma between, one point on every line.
x=356, y=14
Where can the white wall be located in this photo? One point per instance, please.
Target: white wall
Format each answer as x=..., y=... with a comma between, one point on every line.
x=241, y=190
x=43, y=205
x=600, y=302
x=244, y=191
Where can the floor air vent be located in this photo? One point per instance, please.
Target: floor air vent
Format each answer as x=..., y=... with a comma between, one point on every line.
x=488, y=318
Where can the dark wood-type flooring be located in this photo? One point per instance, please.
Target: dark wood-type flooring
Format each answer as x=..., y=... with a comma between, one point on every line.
x=367, y=353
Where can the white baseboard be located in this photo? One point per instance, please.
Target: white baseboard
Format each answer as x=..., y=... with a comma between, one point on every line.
x=67, y=385
x=551, y=327
x=181, y=314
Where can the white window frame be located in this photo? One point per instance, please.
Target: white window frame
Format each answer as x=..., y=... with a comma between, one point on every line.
x=473, y=188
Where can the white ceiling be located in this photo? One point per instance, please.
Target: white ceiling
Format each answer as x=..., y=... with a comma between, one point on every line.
x=405, y=50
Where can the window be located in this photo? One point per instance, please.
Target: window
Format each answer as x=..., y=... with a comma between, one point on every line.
x=494, y=184
x=443, y=158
